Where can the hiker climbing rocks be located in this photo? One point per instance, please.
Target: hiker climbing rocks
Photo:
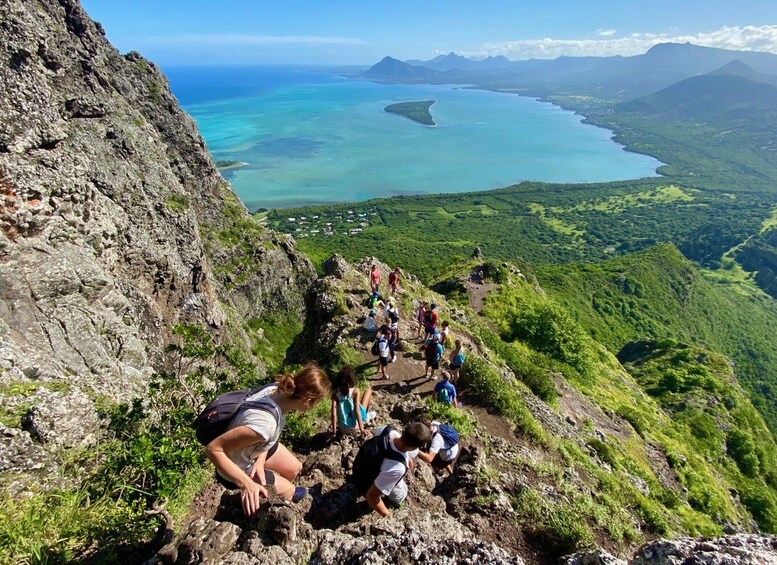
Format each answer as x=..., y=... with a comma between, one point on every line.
x=433, y=352
x=375, y=278
x=420, y=315
x=248, y=455
x=346, y=418
x=445, y=334
x=374, y=301
x=456, y=361
x=384, y=351
x=445, y=392
x=393, y=280
x=383, y=461
x=392, y=316
x=370, y=323
x=430, y=319
x=444, y=448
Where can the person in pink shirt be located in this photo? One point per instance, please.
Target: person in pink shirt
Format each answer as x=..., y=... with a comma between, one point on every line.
x=375, y=277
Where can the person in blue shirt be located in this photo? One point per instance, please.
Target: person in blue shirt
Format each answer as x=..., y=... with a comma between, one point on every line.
x=445, y=392
x=433, y=352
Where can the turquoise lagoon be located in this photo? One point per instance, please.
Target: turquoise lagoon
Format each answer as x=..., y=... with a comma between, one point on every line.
x=314, y=137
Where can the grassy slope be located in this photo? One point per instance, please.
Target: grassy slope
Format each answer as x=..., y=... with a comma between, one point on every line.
x=693, y=416
x=658, y=293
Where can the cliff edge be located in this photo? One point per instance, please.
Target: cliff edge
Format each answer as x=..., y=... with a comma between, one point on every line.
x=115, y=225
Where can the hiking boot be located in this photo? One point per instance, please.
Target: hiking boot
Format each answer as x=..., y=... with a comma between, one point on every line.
x=299, y=494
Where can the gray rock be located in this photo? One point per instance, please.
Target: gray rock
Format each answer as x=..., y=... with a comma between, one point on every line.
x=728, y=550
x=597, y=557
x=337, y=267
x=114, y=224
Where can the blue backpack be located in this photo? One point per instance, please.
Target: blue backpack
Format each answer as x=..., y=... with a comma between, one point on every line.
x=345, y=413
x=450, y=435
x=444, y=396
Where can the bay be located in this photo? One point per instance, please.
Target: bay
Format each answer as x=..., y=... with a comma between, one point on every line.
x=310, y=137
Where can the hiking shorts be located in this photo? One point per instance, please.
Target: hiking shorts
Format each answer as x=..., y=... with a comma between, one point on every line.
x=438, y=463
x=383, y=361
x=399, y=493
x=428, y=330
x=433, y=364
x=454, y=366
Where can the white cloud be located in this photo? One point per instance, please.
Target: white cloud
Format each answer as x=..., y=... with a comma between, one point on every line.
x=237, y=39
x=605, y=32
x=742, y=38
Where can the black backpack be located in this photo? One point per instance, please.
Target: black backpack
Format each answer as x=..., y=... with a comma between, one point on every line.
x=429, y=318
x=372, y=453
x=393, y=316
x=374, y=349
x=214, y=419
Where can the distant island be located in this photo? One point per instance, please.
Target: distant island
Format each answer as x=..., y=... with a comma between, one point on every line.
x=417, y=111
x=229, y=165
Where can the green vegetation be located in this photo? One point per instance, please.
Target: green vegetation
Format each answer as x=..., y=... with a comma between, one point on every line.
x=464, y=424
x=416, y=111
x=150, y=455
x=699, y=390
x=272, y=336
x=658, y=293
x=541, y=223
x=178, y=203
x=481, y=381
x=521, y=314
x=224, y=165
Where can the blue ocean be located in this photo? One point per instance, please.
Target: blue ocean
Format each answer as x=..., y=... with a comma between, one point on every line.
x=308, y=136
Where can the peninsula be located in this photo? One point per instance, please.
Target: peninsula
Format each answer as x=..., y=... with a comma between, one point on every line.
x=229, y=165
x=417, y=111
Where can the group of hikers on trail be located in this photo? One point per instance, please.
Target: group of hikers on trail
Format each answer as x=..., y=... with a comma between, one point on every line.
x=435, y=338
x=241, y=429
x=241, y=432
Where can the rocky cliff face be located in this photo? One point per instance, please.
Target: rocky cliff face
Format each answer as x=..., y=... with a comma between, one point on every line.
x=115, y=225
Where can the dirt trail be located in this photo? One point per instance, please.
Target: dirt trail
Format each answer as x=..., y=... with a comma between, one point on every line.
x=409, y=367
x=477, y=293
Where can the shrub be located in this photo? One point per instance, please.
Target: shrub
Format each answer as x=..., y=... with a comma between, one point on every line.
x=530, y=374
x=522, y=314
x=482, y=381
x=762, y=504
x=741, y=448
x=462, y=421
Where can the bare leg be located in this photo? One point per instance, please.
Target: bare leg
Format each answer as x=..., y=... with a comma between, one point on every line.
x=283, y=487
x=366, y=398
x=284, y=464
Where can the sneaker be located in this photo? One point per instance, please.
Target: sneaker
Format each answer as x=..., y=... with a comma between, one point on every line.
x=371, y=415
x=299, y=494
x=387, y=378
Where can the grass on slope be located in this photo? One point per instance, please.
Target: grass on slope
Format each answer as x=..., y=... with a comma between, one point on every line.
x=693, y=441
x=660, y=294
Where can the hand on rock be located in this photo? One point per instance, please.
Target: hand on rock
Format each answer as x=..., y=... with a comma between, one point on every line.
x=251, y=497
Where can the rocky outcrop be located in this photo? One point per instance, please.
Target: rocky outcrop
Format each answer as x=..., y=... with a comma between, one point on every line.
x=114, y=226
x=728, y=550
x=333, y=526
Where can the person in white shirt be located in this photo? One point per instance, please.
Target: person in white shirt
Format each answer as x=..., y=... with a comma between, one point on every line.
x=442, y=453
x=390, y=482
x=384, y=352
x=370, y=324
x=249, y=456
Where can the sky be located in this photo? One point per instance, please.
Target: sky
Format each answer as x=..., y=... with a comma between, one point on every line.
x=339, y=32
